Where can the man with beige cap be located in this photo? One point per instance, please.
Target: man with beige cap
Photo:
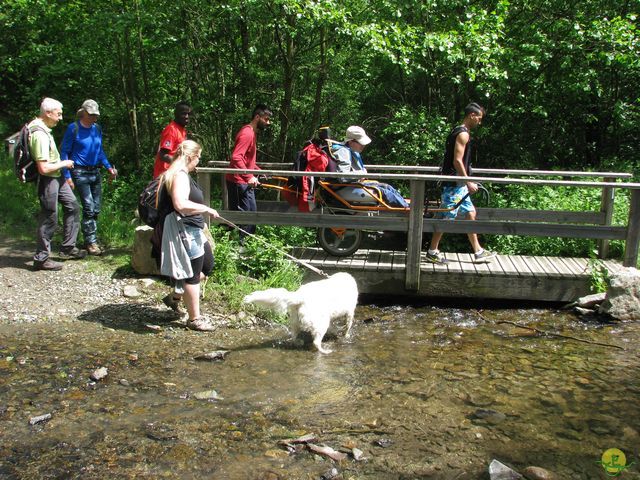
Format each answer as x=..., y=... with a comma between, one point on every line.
x=82, y=143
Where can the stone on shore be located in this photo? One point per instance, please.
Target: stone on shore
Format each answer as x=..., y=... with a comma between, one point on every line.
x=99, y=374
x=130, y=291
x=590, y=301
x=623, y=295
x=537, y=473
x=141, y=259
x=39, y=419
x=499, y=471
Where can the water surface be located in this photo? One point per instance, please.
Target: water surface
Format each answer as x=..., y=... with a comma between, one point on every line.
x=423, y=392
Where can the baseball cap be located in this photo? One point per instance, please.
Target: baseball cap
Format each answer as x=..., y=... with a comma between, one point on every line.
x=358, y=134
x=91, y=107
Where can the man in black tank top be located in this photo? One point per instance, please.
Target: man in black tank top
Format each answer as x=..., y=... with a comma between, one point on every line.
x=457, y=162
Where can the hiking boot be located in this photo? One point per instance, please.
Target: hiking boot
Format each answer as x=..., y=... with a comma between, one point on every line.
x=200, y=324
x=73, y=254
x=94, y=249
x=436, y=258
x=47, y=264
x=484, y=256
x=173, y=303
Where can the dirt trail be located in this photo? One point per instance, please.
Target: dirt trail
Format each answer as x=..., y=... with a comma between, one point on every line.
x=44, y=296
x=93, y=289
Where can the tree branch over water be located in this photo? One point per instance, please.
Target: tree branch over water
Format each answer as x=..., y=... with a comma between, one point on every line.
x=549, y=334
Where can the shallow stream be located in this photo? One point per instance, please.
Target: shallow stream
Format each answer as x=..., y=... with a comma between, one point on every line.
x=421, y=392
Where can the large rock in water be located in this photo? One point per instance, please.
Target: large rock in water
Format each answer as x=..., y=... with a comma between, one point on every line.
x=591, y=301
x=141, y=259
x=623, y=295
x=499, y=471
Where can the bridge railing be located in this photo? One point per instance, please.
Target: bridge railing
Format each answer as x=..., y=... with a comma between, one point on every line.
x=526, y=222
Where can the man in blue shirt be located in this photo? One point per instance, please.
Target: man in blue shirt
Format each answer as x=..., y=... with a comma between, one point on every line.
x=82, y=143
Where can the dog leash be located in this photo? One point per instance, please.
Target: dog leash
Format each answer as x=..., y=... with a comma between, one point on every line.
x=267, y=244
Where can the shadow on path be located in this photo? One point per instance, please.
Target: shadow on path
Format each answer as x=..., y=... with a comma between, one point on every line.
x=131, y=317
x=16, y=254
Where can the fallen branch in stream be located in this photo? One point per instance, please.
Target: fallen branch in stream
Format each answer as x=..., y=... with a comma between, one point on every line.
x=550, y=334
x=355, y=431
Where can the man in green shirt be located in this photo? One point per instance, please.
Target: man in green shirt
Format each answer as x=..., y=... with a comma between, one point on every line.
x=52, y=189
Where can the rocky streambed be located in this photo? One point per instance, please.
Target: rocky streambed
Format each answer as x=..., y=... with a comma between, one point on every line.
x=89, y=390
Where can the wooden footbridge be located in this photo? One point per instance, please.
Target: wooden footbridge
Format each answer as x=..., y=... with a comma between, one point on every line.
x=515, y=277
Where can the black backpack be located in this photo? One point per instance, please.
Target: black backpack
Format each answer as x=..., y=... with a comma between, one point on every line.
x=24, y=166
x=299, y=165
x=149, y=203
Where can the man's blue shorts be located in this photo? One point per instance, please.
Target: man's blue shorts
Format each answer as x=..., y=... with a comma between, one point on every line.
x=451, y=195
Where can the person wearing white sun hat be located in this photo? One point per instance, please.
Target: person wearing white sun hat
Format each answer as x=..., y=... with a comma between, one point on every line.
x=348, y=154
x=349, y=159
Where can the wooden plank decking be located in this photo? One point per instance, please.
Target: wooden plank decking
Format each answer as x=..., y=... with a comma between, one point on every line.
x=513, y=277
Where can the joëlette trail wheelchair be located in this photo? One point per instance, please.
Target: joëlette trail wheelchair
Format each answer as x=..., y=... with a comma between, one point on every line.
x=341, y=198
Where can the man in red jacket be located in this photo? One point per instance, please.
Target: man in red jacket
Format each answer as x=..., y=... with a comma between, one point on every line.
x=240, y=186
x=173, y=135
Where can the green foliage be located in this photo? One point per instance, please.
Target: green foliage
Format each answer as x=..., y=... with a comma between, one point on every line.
x=560, y=83
x=553, y=198
x=265, y=264
x=260, y=265
x=19, y=202
x=599, y=276
x=264, y=257
x=414, y=138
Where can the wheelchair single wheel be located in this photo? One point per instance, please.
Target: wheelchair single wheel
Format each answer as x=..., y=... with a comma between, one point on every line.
x=339, y=242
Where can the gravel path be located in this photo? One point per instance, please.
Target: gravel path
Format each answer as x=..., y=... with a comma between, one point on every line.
x=82, y=285
x=92, y=289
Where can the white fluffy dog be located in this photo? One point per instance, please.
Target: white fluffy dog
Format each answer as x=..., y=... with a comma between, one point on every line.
x=313, y=306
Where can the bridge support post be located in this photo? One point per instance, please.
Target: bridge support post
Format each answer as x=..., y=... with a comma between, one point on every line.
x=204, y=180
x=606, y=207
x=414, y=236
x=633, y=231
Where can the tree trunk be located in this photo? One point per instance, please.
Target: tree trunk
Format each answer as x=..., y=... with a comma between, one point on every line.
x=150, y=140
x=287, y=49
x=128, y=80
x=124, y=63
x=320, y=81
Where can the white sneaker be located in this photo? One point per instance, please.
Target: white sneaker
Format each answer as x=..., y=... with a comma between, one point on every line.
x=436, y=258
x=484, y=257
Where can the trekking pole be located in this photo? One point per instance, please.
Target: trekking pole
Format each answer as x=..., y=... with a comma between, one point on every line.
x=481, y=188
x=264, y=242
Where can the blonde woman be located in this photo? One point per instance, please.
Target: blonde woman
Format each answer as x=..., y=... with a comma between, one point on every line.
x=187, y=201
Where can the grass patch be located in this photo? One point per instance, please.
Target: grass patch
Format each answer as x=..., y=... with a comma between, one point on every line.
x=117, y=261
x=261, y=265
x=20, y=205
